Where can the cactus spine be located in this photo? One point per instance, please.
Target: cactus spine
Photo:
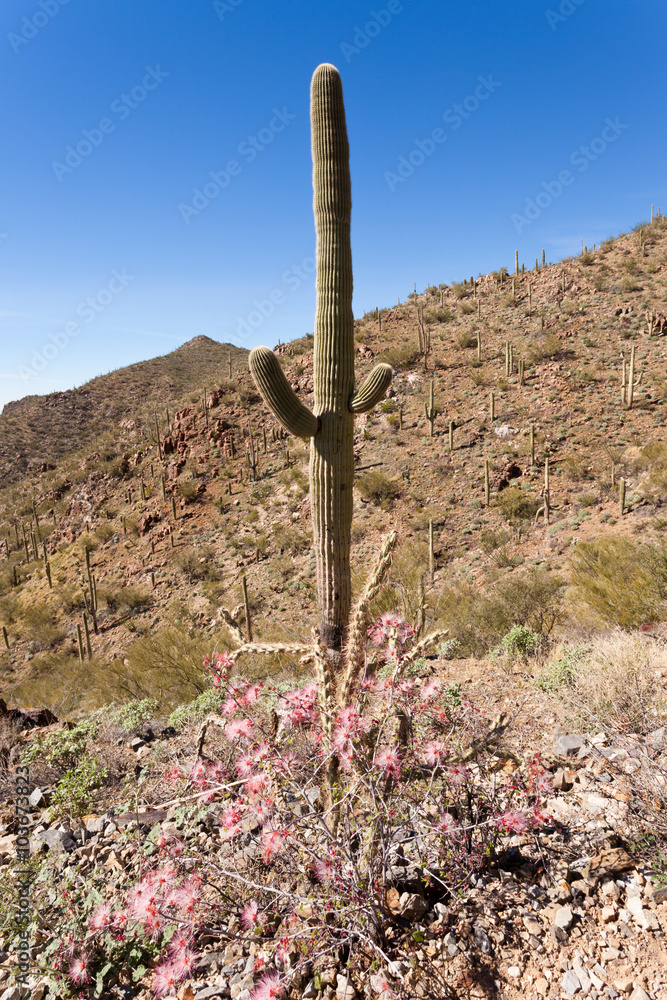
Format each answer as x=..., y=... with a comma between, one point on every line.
x=331, y=426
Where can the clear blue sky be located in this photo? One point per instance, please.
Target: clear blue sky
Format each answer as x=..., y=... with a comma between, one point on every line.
x=104, y=247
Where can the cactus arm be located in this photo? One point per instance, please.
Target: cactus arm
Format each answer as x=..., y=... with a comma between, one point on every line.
x=372, y=389
x=279, y=396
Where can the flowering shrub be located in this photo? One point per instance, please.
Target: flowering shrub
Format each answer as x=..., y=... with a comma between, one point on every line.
x=321, y=812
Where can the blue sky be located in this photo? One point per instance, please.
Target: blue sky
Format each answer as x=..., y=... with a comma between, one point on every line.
x=461, y=117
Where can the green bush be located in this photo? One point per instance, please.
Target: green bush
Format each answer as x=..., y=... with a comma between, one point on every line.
x=73, y=794
x=197, y=564
x=517, y=505
x=518, y=643
x=621, y=580
x=378, y=488
x=128, y=717
x=480, y=619
x=207, y=703
x=62, y=747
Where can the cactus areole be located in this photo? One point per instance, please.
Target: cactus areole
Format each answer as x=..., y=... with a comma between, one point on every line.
x=330, y=426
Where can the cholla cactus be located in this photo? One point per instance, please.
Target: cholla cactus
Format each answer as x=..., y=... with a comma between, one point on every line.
x=330, y=426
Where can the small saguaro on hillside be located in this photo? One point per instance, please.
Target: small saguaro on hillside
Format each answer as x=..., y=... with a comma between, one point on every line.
x=330, y=426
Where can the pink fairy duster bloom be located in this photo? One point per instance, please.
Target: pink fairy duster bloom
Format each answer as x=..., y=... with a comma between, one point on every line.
x=176, y=848
x=458, y=775
x=245, y=765
x=198, y=771
x=143, y=906
x=389, y=761
x=543, y=782
x=431, y=689
x=78, y=970
x=269, y=988
x=263, y=811
x=187, y=897
x=255, y=784
x=433, y=752
x=164, y=979
x=101, y=918
x=184, y=962
x=230, y=817
x=272, y=842
x=229, y=706
x=181, y=940
x=323, y=869
x=250, y=916
x=238, y=729
x=164, y=876
x=448, y=824
x=513, y=821
x=251, y=694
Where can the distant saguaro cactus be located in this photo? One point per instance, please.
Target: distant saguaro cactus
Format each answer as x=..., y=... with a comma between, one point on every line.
x=330, y=426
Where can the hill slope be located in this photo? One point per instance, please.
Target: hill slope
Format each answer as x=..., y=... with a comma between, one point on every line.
x=39, y=430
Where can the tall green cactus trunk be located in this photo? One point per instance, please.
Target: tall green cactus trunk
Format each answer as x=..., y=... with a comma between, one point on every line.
x=331, y=451
x=331, y=425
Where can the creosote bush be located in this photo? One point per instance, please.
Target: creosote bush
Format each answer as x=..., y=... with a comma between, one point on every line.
x=377, y=487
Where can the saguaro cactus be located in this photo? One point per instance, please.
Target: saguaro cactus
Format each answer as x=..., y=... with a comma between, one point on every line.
x=330, y=426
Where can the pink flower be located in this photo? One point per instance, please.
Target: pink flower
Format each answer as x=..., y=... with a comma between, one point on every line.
x=250, y=915
x=448, y=824
x=184, y=962
x=164, y=877
x=543, y=782
x=101, y=918
x=238, y=729
x=187, y=897
x=181, y=941
x=458, y=775
x=272, y=842
x=251, y=694
x=198, y=771
x=323, y=870
x=231, y=818
x=431, y=689
x=255, y=784
x=78, y=969
x=433, y=752
x=514, y=821
x=269, y=988
x=165, y=978
x=300, y=706
x=245, y=765
x=389, y=761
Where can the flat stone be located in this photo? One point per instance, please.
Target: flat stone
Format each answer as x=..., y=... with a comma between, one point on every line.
x=481, y=939
x=533, y=926
x=542, y=986
x=608, y=913
x=639, y=994
x=570, y=982
x=570, y=745
x=11, y=993
x=58, y=841
x=344, y=988
x=623, y=984
x=211, y=991
x=37, y=799
x=96, y=824
x=514, y=971
x=310, y=991
x=412, y=906
x=563, y=918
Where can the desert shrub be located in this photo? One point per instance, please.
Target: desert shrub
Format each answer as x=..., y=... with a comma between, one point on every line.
x=104, y=532
x=479, y=620
x=599, y=283
x=197, y=564
x=60, y=682
x=131, y=599
x=399, y=357
x=73, y=794
x=467, y=308
x=290, y=538
x=561, y=670
x=441, y=315
x=623, y=581
x=188, y=490
x=72, y=600
x=41, y=625
x=164, y=667
x=62, y=747
x=460, y=290
x=548, y=346
x=128, y=717
x=517, y=505
x=617, y=681
x=587, y=258
x=207, y=703
x=491, y=540
x=377, y=487
x=518, y=643
x=629, y=285
x=467, y=338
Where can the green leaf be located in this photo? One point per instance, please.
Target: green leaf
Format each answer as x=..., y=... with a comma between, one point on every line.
x=139, y=973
